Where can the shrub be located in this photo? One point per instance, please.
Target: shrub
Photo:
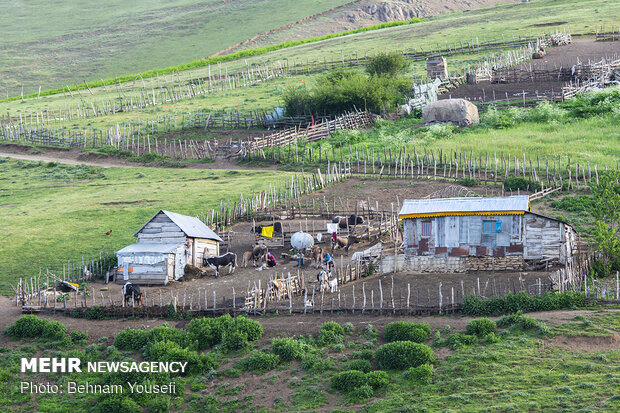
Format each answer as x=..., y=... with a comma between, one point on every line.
x=403, y=354
x=459, y=339
x=574, y=204
x=79, y=336
x=360, y=365
x=287, y=348
x=481, y=327
x=467, y=182
x=28, y=326
x=252, y=329
x=491, y=338
x=390, y=64
x=406, y=331
x=360, y=394
x=347, y=381
x=159, y=404
x=208, y=331
x=260, y=362
x=117, y=404
x=420, y=375
x=95, y=313
x=377, y=379
x=234, y=340
x=168, y=351
x=364, y=355
x=330, y=333
x=477, y=306
x=513, y=183
x=316, y=364
x=370, y=332
x=348, y=328
x=130, y=339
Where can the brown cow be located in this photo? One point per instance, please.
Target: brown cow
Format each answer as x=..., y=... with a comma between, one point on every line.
x=247, y=256
x=344, y=243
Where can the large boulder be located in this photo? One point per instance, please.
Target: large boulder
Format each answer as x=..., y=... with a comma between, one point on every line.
x=458, y=111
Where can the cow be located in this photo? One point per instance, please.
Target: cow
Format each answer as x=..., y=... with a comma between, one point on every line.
x=247, y=256
x=344, y=222
x=344, y=243
x=132, y=291
x=317, y=254
x=230, y=258
x=259, y=252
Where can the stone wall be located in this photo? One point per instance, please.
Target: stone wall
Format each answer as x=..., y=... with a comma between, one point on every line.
x=426, y=264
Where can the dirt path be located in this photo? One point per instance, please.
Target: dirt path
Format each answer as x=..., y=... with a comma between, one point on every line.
x=77, y=157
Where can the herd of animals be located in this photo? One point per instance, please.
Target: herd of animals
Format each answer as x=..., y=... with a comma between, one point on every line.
x=319, y=256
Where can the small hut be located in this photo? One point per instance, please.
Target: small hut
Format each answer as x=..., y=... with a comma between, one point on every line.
x=437, y=68
x=166, y=242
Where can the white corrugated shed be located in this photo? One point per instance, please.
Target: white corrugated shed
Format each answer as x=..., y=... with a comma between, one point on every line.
x=191, y=226
x=462, y=206
x=152, y=247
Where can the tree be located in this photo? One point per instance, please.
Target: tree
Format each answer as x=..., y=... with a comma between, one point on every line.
x=606, y=212
x=390, y=64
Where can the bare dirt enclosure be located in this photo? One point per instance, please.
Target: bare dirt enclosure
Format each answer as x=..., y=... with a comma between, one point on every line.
x=579, y=51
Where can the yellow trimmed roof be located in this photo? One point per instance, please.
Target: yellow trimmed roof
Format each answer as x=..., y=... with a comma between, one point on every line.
x=439, y=207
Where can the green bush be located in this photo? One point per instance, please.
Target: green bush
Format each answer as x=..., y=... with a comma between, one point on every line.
x=169, y=351
x=348, y=328
x=491, y=338
x=130, y=339
x=360, y=365
x=467, y=182
x=330, y=333
x=403, y=354
x=523, y=323
x=360, y=394
x=159, y=404
x=406, y=331
x=478, y=306
x=420, y=375
x=459, y=339
x=260, y=362
x=252, y=329
x=78, y=336
x=117, y=404
x=95, y=313
x=387, y=64
x=513, y=183
x=31, y=326
x=481, y=327
x=347, y=381
x=287, y=348
x=209, y=331
x=234, y=340
x=364, y=355
x=316, y=364
x=378, y=379
x=581, y=203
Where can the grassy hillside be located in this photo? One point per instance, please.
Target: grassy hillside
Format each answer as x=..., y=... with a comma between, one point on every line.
x=53, y=212
x=67, y=42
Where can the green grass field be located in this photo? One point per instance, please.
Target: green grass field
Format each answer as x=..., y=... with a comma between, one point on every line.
x=509, y=370
x=72, y=42
x=53, y=213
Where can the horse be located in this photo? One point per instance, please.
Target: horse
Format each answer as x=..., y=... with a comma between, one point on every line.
x=230, y=258
x=132, y=291
x=345, y=243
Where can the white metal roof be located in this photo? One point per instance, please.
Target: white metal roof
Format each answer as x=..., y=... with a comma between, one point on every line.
x=146, y=247
x=191, y=226
x=463, y=206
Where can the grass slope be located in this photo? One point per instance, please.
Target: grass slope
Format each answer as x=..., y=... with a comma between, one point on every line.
x=52, y=213
x=68, y=42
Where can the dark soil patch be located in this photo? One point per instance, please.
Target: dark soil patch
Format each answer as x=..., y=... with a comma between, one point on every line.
x=548, y=24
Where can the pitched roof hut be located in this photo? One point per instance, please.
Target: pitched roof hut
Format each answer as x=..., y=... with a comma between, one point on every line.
x=166, y=242
x=473, y=234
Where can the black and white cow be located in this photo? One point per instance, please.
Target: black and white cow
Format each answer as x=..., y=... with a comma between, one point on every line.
x=132, y=291
x=343, y=222
x=230, y=258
